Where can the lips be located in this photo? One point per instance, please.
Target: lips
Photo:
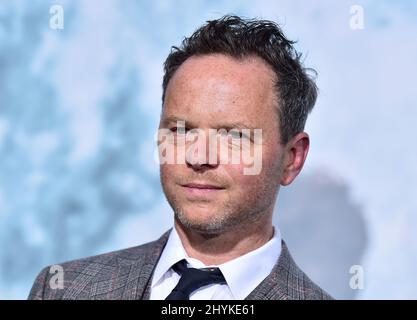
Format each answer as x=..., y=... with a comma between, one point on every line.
x=201, y=189
x=201, y=186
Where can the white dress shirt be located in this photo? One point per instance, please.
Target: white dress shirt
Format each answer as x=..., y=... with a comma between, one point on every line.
x=243, y=274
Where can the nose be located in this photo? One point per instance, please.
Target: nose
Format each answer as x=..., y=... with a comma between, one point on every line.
x=200, y=154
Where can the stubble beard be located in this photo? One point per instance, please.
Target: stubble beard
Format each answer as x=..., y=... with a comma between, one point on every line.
x=229, y=217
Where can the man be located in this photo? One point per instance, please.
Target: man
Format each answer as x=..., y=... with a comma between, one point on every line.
x=240, y=83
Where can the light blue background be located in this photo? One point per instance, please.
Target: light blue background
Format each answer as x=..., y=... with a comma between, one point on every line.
x=79, y=108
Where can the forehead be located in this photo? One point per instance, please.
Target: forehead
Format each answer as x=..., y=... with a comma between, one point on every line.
x=217, y=87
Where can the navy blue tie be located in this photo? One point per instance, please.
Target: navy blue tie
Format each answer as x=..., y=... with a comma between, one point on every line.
x=192, y=279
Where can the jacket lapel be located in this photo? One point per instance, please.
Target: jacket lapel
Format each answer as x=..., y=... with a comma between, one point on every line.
x=132, y=281
x=122, y=278
x=139, y=280
x=286, y=280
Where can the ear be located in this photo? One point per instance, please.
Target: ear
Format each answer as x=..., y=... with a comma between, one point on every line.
x=296, y=151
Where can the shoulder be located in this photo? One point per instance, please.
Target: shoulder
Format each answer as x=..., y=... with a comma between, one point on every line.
x=55, y=281
x=309, y=290
x=299, y=285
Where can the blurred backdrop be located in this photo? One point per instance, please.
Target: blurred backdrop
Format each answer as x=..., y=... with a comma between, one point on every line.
x=80, y=99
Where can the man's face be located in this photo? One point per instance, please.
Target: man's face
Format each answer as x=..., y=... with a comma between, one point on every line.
x=219, y=92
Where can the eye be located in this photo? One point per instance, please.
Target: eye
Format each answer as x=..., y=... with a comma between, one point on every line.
x=178, y=130
x=235, y=134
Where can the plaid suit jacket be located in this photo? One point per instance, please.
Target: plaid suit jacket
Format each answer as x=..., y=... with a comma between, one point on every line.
x=127, y=275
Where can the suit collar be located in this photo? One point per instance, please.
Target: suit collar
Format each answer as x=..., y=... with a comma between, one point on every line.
x=140, y=276
x=261, y=259
x=284, y=282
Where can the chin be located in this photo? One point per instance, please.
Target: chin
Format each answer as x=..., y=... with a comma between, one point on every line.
x=201, y=220
x=201, y=215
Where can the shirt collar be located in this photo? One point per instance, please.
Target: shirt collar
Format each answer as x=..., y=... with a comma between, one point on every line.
x=239, y=272
x=243, y=274
x=172, y=253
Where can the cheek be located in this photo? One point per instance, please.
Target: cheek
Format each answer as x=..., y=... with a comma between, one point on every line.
x=241, y=180
x=267, y=159
x=172, y=174
x=272, y=158
x=269, y=173
x=167, y=172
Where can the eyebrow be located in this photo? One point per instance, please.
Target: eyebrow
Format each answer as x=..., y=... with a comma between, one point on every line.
x=228, y=126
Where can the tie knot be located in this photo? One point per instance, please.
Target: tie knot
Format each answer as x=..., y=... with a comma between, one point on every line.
x=192, y=279
x=181, y=266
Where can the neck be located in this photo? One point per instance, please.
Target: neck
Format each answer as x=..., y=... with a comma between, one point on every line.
x=220, y=248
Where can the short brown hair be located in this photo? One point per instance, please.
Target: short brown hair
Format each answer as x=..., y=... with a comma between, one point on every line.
x=240, y=38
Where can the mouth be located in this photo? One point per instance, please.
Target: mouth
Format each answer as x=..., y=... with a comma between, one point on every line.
x=201, y=189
